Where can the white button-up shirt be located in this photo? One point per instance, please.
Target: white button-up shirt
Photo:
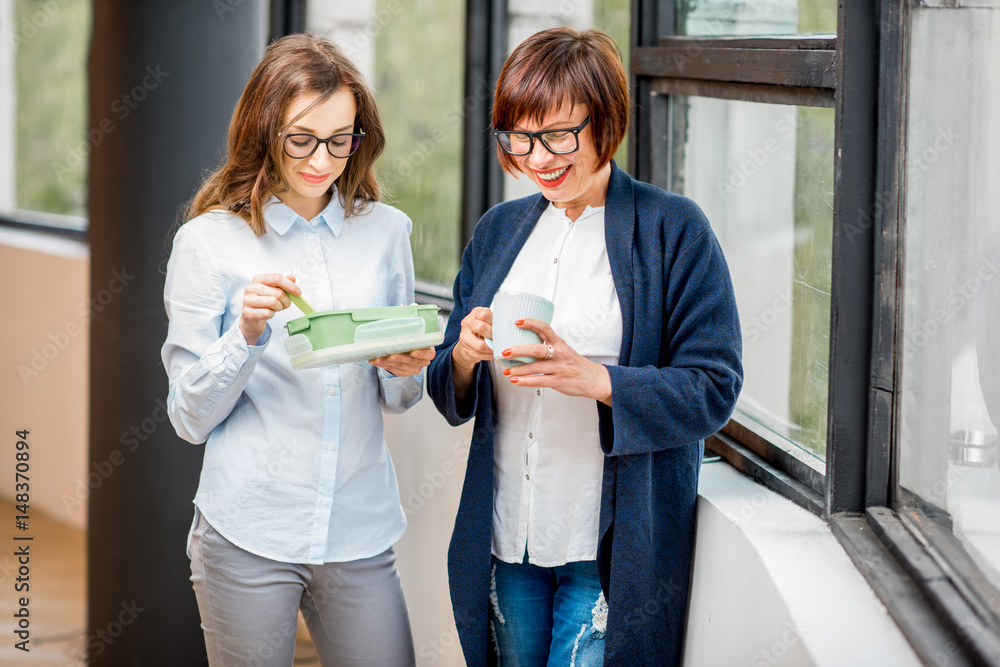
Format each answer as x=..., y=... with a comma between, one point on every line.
x=547, y=453
x=295, y=467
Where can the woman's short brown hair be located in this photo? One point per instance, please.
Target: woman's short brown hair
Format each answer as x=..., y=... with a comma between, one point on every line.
x=559, y=64
x=292, y=66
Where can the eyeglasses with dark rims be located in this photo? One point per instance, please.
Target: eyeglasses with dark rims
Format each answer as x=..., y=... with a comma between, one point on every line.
x=300, y=146
x=558, y=142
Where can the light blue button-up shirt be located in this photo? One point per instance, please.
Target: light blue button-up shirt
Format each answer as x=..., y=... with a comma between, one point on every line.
x=295, y=467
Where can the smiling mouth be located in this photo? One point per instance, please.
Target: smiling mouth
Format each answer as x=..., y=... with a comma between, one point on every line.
x=314, y=178
x=552, y=175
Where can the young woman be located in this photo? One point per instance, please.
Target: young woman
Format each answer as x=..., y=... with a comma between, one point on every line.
x=297, y=506
x=574, y=534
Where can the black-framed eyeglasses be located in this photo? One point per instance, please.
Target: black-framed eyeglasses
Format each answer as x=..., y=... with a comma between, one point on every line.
x=558, y=142
x=301, y=146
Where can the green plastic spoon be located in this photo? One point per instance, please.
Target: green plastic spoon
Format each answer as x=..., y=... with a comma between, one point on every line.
x=301, y=303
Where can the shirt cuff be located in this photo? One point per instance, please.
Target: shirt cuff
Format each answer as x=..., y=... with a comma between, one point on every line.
x=400, y=393
x=265, y=337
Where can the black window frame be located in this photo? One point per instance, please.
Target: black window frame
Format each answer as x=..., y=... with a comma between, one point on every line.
x=51, y=224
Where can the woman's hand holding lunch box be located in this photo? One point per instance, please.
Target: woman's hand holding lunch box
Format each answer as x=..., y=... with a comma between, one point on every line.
x=405, y=363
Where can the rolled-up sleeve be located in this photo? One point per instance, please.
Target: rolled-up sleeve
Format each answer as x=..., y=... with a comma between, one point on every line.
x=398, y=394
x=208, y=368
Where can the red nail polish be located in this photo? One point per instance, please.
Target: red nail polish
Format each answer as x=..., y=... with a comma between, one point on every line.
x=518, y=322
x=513, y=380
x=506, y=371
x=505, y=353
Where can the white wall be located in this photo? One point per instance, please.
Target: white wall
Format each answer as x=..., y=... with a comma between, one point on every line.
x=44, y=362
x=429, y=456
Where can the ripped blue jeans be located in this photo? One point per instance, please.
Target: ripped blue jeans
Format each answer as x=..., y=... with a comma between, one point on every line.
x=554, y=616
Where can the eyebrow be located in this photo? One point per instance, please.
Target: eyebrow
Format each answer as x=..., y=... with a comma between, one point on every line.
x=312, y=131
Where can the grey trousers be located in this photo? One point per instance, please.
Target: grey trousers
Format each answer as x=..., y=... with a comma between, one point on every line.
x=249, y=606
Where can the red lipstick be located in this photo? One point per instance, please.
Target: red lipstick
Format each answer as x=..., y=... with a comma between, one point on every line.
x=557, y=182
x=314, y=179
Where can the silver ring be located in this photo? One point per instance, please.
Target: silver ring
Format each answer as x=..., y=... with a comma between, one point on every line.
x=548, y=355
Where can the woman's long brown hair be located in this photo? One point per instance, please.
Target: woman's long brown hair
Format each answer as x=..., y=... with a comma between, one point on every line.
x=292, y=66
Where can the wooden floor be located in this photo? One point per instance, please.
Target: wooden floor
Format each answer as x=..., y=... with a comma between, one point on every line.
x=57, y=599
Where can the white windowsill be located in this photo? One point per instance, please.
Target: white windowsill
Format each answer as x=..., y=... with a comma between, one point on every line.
x=772, y=580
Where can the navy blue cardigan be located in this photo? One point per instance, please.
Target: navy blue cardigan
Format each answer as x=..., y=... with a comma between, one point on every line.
x=678, y=379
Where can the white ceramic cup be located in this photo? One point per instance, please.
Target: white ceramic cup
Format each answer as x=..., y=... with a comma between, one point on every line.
x=508, y=307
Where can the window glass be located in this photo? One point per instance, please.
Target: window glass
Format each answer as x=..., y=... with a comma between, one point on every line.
x=763, y=174
x=43, y=106
x=718, y=18
x=615, y=18
x=418, y=75
x=948, y=350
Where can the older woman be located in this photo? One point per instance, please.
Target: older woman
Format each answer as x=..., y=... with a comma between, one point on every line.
x=574, y=535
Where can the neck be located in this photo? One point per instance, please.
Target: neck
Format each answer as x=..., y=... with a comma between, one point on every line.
x=597, y=193
x=307, y=208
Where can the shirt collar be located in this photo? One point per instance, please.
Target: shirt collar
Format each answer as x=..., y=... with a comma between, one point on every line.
x=281, y=218
x=560, y=213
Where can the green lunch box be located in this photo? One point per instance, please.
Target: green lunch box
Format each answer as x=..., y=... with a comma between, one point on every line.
x=335, y=328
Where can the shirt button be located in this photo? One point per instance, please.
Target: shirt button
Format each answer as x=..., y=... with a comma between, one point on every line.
x=555, y=260
x=221, y=385
x=312, y=236
x=538, y=392
x=325, y=502
x=331, y=391
x=329, y=445
x=531, y=435
x=528, y=477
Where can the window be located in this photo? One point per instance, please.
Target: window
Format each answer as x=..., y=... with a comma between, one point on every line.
x=419, y=88
x=857, y=176
x=716, y=18
x=763, y=174
x=948, y=397
x=735, y=109
x=43, y=112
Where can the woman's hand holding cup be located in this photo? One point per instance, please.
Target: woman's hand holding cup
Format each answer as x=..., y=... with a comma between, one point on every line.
x=509, y=308
x=558, y=366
